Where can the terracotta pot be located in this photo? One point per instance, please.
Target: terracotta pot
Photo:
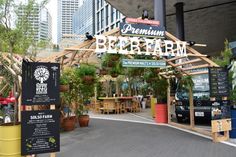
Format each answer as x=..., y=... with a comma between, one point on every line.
x=103, y=71
x=114, y=75
x=111, y=64
x=64, y=88
x=69, y=123
x=83, y=120
x=114, y=58
x=88, y=79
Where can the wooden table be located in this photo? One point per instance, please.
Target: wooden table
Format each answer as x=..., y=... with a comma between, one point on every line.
x=114, y=101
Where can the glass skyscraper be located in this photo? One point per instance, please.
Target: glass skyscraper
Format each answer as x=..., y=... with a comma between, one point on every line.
x=66, y=9
x=83, y=18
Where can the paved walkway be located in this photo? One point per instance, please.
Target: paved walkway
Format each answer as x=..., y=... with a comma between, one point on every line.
x=108, y=138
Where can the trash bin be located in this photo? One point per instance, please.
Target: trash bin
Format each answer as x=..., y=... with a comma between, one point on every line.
x=232, y=133
x=161, y=113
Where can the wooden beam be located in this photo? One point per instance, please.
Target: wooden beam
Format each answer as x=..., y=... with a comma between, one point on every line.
x=199, y=72
x=196, y=67
x=72, y=57
x=173, y=65
x=175, y=58
x=188, y=62
x=196, y=55
x=189, y=49
x=4, y=87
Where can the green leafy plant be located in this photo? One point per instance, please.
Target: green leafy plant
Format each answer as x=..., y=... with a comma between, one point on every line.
x=86, y=70
x=71, y=96
x=186, y=82
x=225, y=56
x=64, y=79
x=81, y=110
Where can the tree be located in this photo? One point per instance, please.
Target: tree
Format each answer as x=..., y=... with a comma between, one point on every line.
x=224, y=59
x=16, y=32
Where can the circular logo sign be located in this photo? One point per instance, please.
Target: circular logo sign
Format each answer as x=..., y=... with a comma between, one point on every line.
x=41, y=74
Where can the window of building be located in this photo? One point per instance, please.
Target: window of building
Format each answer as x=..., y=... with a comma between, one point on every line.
x=107, y=15
x=117, y=15
x=102, y=18
x=113, y=16
x=98, y=21
x=102, y=2
x=98, y=4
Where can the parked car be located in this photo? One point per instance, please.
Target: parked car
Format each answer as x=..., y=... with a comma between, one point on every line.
x=201, y=101
x=202, y=111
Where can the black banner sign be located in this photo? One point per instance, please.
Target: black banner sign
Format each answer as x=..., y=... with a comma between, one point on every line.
x=40, y=132
x=220, y=109
x=142, y=30
x=218, y=78
x=40, y=83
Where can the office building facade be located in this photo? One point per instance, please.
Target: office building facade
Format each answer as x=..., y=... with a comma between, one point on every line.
x=106, y=17
x=83, y=18
x=40, y=22
x=66, y=9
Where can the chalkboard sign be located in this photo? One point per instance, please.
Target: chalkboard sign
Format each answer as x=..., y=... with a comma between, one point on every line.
x=220, y=109
x=218, y=78
x=40, y=132
x=40, y=83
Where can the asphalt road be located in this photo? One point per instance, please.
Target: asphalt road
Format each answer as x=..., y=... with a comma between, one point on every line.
x=105, y=138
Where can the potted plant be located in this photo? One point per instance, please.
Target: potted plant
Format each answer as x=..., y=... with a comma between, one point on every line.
x=87, y=73
x=110, y=60
x=64, y=83
x=85, y=92
x=69, y=121
x=115, y=71
x=83, y=117
x=103, y=71
x=159, y=88
x=70, y=98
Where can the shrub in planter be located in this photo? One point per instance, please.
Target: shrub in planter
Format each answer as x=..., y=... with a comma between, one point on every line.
x=87, y=73
x=103, y=71
x=83, y=117
x=115, y=71
x=64, y=83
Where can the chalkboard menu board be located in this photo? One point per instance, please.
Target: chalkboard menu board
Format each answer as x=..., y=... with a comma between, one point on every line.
x=40, y=132
x=40, y=83
x=218, y=78
x=220, y=109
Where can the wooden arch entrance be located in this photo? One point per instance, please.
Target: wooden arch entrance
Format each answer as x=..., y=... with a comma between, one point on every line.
x=85, y=53
x=194, y=63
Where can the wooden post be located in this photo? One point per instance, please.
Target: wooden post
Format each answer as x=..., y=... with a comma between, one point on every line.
x=28, y=108
x=95, y=95
x=168, y=102
x=192, y=122
x=19, y=106
x=52, y=107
